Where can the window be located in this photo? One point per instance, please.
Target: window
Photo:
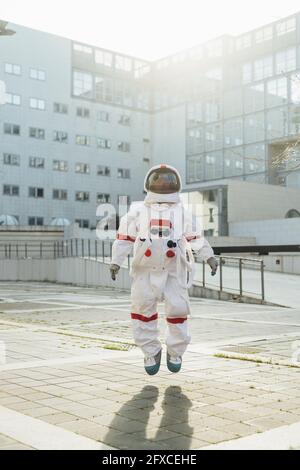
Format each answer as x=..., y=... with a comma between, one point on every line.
x=36, y=133
x=36, y=162
x=214, y=48
x=295, y=88
x=213, y=137
x=104, y=89
x=103, y=116
x=83, y=168
x=83, y=140
x=60, y=165
x=277, y=92
x=35, y=221
x=103, y=143
x=124, y=119
x=36, y=103
x=83, y=84
x=123, y=173
x=60, y=108
x=195, y=114
x=294, y=120
x=103, y=170
x=82, y=196
x=286, y=60
x=233, y=103
x=277, y=123
x=103, y=198
x=82, y=48
x=12, y=129
x=123, y=93
x=215, y=73
x=83, y=112
x=13, y=99
x=214, y=166
x=83, y=223
x=60, y=194
x=264, y=34
x=211, y=215
x=195, y=168
x=11, y=190
x=123, y=63
x=247, y=73
x=233, y=162
x=212, y=111
x=13, y=69
x=195, y=140
x=38, y=193
x=11, y=159
x=254, y=127
x=255, y=158
x=263, y=68
x=37, y=74
x=124, y=146
x=103, y=58
x=254, y=98
x=286, y=26
x=233, y=132
x=243, y=42
x=60, y=136
x=123, y=200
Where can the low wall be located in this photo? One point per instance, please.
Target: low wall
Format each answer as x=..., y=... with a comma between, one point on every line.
x=28, y=270
x=282, y=263
x=78, y=271
x=89, y=273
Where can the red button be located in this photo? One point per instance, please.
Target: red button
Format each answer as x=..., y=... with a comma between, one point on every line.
x=170, y=254
x=148, y=253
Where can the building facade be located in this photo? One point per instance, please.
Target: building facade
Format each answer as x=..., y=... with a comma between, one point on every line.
x=81, y=125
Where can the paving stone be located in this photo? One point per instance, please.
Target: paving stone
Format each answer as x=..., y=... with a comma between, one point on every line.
x=115, y=402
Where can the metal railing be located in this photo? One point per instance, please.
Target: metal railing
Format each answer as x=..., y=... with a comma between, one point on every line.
x=101, y=250
x=83, y=248
x=224, y=281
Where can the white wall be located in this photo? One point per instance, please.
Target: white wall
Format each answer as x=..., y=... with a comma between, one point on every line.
x=268, y=232
x=250, y=201
x=287, y=263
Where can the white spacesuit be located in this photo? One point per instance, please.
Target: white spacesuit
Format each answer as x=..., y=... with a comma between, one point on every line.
x=163, y=236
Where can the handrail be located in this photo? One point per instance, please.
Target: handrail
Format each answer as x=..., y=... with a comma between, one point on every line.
x=101, y=250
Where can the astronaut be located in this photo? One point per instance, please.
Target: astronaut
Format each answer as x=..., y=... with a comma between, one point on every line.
x=164, y=237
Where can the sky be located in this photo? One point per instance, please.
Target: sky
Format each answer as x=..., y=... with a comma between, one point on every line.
x=149, y=29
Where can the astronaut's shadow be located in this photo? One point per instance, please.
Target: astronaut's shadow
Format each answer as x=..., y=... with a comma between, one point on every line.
x=175, y=407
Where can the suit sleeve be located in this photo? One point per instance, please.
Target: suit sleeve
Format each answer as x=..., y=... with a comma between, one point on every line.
x=126, y=236
x=193, y=233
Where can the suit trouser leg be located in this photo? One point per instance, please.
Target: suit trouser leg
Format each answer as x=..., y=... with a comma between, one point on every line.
x=177, y=310
x=144, y=315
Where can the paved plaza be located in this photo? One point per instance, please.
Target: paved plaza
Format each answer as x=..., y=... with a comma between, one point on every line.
x=71, y=377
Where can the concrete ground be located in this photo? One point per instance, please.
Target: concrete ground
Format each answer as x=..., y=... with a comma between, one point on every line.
x=71, y=377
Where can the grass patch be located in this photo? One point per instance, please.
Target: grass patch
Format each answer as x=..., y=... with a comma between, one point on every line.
x=116, y=347
x=257, y=360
